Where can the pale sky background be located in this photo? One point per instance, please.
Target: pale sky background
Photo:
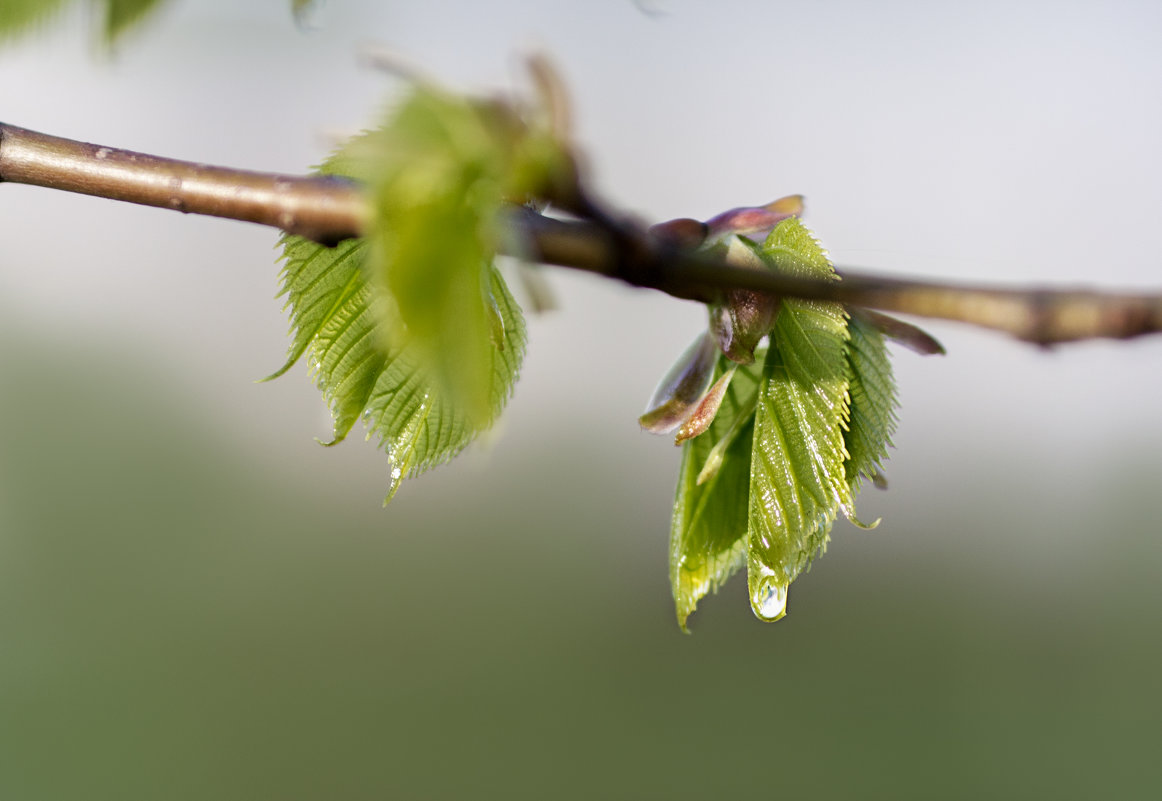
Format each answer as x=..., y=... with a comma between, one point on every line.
x=1010, y=142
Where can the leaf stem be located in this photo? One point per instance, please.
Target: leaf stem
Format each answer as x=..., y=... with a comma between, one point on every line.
x=329, y=209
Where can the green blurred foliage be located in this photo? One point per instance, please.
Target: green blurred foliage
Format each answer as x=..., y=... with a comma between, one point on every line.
x=437, y=172
x=18, y=17
x=181, y=621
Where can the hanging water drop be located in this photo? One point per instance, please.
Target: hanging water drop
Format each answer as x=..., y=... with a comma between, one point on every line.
x=768, y=598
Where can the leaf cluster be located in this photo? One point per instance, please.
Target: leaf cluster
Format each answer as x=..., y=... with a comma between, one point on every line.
x=796, y=432
x=412, y=328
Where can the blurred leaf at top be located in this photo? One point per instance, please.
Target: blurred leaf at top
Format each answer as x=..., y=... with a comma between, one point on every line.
x=120, y=15
x=302, y=9
x=18, y=17
x=437, y=173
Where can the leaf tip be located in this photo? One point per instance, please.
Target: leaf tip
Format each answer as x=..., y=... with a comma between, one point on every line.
x=393, y=487
x=279, y=373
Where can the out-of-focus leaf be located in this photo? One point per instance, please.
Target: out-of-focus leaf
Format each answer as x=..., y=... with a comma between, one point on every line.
x=873, y=402
x=437, y=173
x=754, y=222
x=708, y=530
x=301, y=8
x=120, y=15
x=21, y=16
x=797, y=479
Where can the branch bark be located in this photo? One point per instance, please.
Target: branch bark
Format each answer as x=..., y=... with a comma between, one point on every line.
x=329, y=209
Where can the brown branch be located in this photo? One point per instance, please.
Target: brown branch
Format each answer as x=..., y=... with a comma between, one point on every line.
x=329, y=209
x=1041, y=315
x=323, y=208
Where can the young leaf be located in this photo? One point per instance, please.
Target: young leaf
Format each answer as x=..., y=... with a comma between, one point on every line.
x=338, y=321
x=797, y=478
x=873, y=402
x=708, y=531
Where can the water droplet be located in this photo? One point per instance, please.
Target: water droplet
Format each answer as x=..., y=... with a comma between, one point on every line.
x=768, y=598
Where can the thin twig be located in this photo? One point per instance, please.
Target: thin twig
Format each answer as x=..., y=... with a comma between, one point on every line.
x=329, y=209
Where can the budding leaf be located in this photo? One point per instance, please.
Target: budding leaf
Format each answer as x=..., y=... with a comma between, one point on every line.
x=682, y=389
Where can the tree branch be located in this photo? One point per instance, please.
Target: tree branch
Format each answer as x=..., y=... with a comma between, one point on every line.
x=323, y=208
x=329, y=209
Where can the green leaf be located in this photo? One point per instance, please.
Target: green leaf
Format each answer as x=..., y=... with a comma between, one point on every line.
x=708, y=530
x=791, y=442
x=338, y=320
x=412, y=328
x=873, y=402
x=797, y=478
x=437, y=174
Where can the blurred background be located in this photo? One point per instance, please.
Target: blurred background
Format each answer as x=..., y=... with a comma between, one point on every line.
x=199, y=602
